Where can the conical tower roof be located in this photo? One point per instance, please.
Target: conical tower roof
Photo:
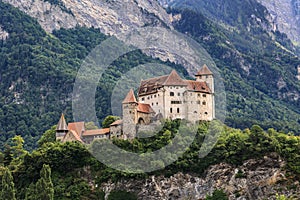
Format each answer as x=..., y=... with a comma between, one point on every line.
x=62, y=125
x=204, y=71
x=130, y=98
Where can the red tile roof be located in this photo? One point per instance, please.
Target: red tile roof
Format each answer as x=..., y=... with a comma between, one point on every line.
x=130, y=98
x=151, y=85
x=174, y=79
x=78, y=127
x=96, y=132
x=204, y=71
x=116, y=123
x=197, y=86
x=144, y=108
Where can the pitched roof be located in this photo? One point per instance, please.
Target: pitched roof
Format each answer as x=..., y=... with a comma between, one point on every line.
x=197, y=86
x=96, y=132
x=78, y=127
x=174, y=79
x=130, y=98
x=74, y=134
x=116, y=123
x=204, y=71
x=144, y=108
x=151, y=85
x=62, y=125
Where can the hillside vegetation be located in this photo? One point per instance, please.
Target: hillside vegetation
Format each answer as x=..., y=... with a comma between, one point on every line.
x=74, y=172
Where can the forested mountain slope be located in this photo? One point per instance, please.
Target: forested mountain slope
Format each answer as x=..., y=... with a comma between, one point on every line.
x=38, y=68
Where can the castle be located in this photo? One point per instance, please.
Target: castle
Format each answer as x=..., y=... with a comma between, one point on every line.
x=164, y=97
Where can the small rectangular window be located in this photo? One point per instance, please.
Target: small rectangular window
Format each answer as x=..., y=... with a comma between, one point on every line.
x=178, y=94
x=177, y=110
x=171, y=110
x=171, y=94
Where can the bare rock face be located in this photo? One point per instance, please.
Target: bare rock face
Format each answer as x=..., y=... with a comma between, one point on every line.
x=254, y=179
x=111, y=16
x=284, y=17
x=49, y=16
x=3, y=34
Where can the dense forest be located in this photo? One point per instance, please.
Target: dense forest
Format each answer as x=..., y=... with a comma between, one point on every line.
x=66, y=170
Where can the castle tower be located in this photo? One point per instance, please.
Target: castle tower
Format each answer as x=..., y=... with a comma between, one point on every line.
x=61, y=128
x=129, y=115
x=205, y=75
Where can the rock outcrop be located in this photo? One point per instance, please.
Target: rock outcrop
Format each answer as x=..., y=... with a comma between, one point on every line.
x=284, y=17
x=111, y=17
x=3, y=34
x=254, y=179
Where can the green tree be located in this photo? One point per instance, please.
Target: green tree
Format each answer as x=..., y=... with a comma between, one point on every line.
x=48, y=136
x=90, y=126
x=8, y=186
x=217, y=195
x=30, y=192
x=44, y=186
x=109, y=120
x=17, y=152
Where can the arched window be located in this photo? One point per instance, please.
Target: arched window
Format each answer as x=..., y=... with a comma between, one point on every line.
x=172, y=94
x=204, y=103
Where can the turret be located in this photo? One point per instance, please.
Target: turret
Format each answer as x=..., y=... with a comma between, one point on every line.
x=129, y=115
x=205, y=75
x=61, y=128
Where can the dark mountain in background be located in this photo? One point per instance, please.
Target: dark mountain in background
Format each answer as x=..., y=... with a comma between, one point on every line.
x=44, y=42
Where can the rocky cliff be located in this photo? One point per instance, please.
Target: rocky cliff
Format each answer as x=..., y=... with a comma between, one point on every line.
x=254, y=179
x=109, y=16
x=284, y=17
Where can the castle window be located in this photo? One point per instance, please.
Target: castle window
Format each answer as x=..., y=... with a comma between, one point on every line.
x=148, y=98
x=171, y=110
x=177, y=110
x=155, y=96
x=204, y=95
x=195, y=111
x=170, y=87
x=152, y=103
x=157, y=103
x=204, y=103
x=178, y=94
x=176, y=102
x=143, y=99
x=198, y=95
x=206, y=113
x=171, y=94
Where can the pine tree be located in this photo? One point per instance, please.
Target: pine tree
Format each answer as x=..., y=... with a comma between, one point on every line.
x=31, y=192
x=44, y=186
x=8, y=186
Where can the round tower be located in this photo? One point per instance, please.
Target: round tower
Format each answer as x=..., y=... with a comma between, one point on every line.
x=129, y=106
